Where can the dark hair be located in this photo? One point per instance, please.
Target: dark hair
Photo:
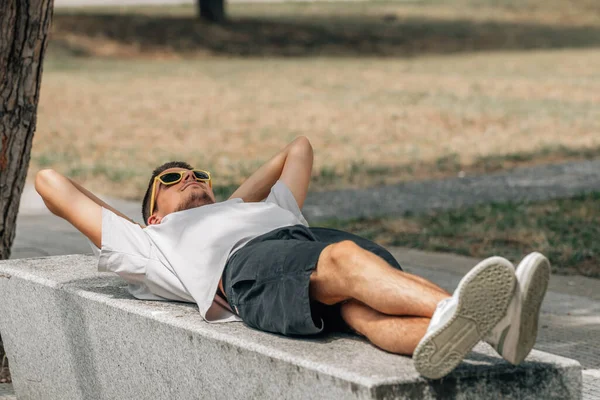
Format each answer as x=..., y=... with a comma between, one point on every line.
x=155, y=173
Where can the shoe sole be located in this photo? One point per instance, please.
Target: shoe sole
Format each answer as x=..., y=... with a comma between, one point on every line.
x=484, y=296
x=533, y=274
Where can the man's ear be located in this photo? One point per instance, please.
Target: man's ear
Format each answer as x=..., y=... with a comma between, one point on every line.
x=154, y=219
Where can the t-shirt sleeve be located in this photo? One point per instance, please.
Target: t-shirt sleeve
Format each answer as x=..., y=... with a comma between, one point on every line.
x=125, y=248
x=283, y=197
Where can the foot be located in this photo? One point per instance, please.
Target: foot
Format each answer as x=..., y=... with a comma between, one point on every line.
x=515, y=335
x=479, y=302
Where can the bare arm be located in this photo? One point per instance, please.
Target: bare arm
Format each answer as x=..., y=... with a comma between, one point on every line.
x=293, y=165
x=71, y=201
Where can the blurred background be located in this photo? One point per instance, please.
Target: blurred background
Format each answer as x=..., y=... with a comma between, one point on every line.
x=387, y=91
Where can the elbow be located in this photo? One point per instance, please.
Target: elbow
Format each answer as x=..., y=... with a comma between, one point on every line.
x=302, y=141
x=42, y=179
x=45, y=181
x=302, y=146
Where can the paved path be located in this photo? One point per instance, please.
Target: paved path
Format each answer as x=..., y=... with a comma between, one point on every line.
x=571, y=311
x=6, y=392
x=523, y=184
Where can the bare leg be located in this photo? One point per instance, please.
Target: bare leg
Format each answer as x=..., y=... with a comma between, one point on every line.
x=425, y=282
x=398, y=335
x=346, y=271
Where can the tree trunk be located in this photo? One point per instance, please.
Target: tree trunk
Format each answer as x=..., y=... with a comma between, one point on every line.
x=24, y=26
x=4, y=371
x=212, y=10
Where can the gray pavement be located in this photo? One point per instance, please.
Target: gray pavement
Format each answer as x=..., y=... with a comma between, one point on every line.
x=523, y=184
x=6, y=392
x=570, y=324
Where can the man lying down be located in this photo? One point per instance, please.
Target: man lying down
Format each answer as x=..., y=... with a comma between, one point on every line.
x=254, y=258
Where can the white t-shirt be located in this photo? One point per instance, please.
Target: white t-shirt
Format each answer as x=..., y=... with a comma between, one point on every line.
x=184, y=256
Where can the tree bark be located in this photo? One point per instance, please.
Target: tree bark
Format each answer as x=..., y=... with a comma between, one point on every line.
x=212, y=10
x=24, y=26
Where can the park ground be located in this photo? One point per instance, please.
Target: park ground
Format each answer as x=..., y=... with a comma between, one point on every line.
x=386, y=92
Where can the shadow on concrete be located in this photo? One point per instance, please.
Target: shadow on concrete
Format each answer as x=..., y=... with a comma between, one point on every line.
x=381, y=36
x=565, y=336
x=114, y=287
x=73, y=321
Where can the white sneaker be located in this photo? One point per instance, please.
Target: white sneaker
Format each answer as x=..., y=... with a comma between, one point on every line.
x=514, y=336
x=479, y=302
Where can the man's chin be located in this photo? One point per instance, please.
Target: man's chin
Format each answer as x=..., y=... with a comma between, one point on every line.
x=195, y=200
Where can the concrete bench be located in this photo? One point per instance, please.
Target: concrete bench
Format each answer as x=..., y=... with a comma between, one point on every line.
x=73, y=333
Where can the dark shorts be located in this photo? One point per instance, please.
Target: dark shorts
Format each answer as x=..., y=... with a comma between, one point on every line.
x=267, y=280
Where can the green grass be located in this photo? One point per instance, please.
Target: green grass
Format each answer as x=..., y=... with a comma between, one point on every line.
x=493, y=163
x=567, y=231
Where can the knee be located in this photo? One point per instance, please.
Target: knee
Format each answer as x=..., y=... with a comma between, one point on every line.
x=342, y=253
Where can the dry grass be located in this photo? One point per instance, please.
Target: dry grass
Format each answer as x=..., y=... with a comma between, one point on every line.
x=108, y=121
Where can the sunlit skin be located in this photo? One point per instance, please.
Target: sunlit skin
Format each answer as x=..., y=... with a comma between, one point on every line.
x=185, y=194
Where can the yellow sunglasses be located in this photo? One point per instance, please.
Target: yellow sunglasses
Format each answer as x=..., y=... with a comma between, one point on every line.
x=171, y=178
